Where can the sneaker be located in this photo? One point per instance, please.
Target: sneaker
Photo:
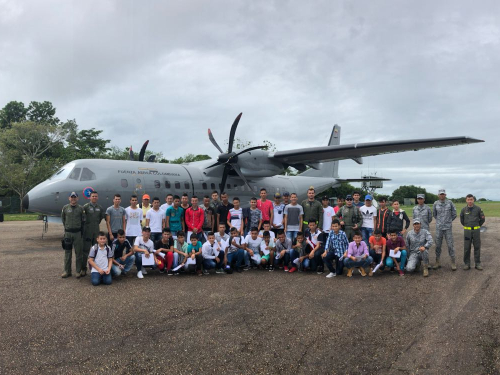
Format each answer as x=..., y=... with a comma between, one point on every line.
x=370, y=273
x=285, y=269
x=170, y=273
x=401, y=273
x=139, y=275
x=220, y=271
x=65, y=275
x=271, y=268
x=144, y=272
x=239, y=270
x=330, y=275
x=162, y=270
x=78, y=275
x=205, y=272
x=362, y=271
x=466, y=267
x=319, y=271
x=349, y=272
x=479, y=267
x=293, y=269
x=199, y=273
x=176, y=273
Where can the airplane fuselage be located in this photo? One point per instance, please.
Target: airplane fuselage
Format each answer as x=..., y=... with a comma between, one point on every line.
x=109, y=177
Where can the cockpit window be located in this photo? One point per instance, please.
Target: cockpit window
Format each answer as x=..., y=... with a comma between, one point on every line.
x=87, y=175
x=75, y=173
x=63, y=173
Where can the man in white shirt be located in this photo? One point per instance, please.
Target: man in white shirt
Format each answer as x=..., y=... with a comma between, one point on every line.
x=278, y=212
x=252, y=247
x=155, y=220
x=169, y=201
x=143, y=246
x=328, y=214
x=213, y=256
x=369, y=214
x=133, y=217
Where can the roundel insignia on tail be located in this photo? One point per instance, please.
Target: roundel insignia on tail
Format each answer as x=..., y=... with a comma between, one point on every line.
x=87, y=191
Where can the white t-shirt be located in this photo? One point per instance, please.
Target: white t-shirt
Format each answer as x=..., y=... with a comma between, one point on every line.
x=263, y=246
x=100, y=257
x=271, y=234
x=236, y=218
x=254, y=245
x=149, y=246
x=368, y=213
x=165, y=206
x=278, y=212
x=208, y=250
x=134, y=218
x=328, y=214
x=155, y=220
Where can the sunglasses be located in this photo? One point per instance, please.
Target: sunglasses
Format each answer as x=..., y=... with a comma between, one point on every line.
x=349, y=199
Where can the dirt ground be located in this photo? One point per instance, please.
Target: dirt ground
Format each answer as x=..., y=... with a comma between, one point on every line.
x=254, y=322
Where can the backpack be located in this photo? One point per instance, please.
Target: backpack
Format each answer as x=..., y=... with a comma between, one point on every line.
x=108, y=249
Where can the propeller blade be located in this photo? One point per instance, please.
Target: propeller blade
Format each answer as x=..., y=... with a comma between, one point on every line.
x=251, y=149
x=227, y=168
x=238, y=170
x=151, y=158
x=143, y=151
x=130, y=154
x=233, y=132
x=212, y=139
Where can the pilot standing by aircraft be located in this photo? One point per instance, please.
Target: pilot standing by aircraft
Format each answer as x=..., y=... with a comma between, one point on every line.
x=422, y=212
x=94, y=214
x=444, y=212
x=472, y=218
x=313, y=209
x=349, y=217
x=72, y=217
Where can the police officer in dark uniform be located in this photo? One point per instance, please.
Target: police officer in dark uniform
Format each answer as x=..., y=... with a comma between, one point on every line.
x=472, y=218
x=94, y=214
x=72, y=218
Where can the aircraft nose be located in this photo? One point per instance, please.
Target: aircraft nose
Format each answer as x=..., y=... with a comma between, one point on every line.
x=26, y=201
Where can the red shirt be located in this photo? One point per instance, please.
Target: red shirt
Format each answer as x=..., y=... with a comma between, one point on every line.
x=266, y=208
x=381, y=242
x=194, y=219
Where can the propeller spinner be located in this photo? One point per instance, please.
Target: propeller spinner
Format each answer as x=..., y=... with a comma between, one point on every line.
x=230, y=159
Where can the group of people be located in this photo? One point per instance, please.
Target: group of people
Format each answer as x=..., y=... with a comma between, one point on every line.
x=184, y=236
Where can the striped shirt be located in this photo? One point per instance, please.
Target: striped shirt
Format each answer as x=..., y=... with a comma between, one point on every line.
x=337, y=242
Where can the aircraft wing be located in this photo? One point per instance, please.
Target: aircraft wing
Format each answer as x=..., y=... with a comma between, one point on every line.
x=358, y=150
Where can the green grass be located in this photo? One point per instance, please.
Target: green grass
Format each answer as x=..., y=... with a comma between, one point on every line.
x=490, y=209
x=20, y=217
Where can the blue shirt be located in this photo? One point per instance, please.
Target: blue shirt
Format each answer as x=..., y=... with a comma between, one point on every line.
x=196, y=248
x=175, y=216
x=337, y=242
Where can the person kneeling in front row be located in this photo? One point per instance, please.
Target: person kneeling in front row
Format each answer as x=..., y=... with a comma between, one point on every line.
x=418, y=241
x=357, y=255
x=100, y=260
x=123, y=255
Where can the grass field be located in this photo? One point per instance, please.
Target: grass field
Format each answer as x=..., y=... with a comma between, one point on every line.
x=21, y=217
x=490, y=209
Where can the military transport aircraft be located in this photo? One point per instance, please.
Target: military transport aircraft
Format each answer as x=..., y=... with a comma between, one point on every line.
x=240, y=173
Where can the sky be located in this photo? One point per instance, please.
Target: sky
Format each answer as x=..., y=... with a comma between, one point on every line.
x=168, y=71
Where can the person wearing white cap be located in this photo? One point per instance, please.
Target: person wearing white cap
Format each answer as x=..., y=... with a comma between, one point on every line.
x=422, y=212
x=444, y=212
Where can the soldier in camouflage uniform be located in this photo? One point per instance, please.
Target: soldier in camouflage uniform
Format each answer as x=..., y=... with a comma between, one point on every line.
x=72, y=218
x=472, y=218
x=422, y=212
x=94, y=213
x=444, y=212
x=349, y=217
x=418, y=242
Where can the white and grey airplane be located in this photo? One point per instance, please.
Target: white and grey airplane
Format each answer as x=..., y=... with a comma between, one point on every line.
x=239, y=173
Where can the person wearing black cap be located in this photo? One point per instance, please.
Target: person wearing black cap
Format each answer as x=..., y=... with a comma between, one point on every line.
x=286, y=198
x=349, y=217
x=72, y=217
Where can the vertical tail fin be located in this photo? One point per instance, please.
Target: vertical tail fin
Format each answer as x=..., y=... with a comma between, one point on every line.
x=331, y=168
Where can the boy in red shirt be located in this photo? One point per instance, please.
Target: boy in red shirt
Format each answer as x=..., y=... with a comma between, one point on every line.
x=195, y=217
x=266, y=206
x=377, y=250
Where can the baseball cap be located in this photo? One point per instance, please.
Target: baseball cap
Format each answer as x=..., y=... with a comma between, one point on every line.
x=325, y=198
x=421, y=196
x=368, y=197
x=277, y=195
x=348, y=196
x=73, y=194
x=442, y=191
x=146, y=229
x=286, y=194
x=416, y=221
x=146, y=196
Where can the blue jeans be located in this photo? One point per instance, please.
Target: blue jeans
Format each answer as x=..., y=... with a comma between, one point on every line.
x=366, y=233
x=208, y=264
x=288, y=259
x=96, y=278
x=306, y=263
x=349, y=263
x=128, y=262
x=329, y=259
x=291, y=234
x=236, y=256
x=402, y=261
